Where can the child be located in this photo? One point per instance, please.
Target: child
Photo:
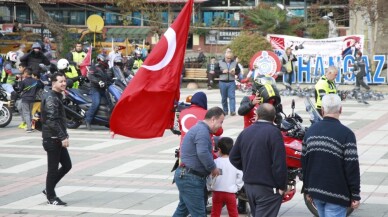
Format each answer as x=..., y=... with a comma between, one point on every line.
x=226, y=185
x=28, y=86
x=23, y=125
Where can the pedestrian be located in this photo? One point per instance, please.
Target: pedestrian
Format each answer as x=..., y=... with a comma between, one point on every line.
x=212, y=71
x=29, y=86
x=360, y=72
x=55, y=137
x=228, y=70
x=196, y=164
x=331, y=171
x=260, y=147
x=288, y=67
x=201, y=58
x=226, y=185
x=325, y=85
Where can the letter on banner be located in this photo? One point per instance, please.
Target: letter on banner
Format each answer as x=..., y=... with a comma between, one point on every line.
x=303, y=70
x=379, y=68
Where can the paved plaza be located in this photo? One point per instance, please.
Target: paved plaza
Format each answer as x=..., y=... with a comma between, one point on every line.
x=131, y=177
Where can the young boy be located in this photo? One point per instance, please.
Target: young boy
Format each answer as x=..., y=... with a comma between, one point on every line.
x=226, y=185
x=23, y=125
x=29, y=87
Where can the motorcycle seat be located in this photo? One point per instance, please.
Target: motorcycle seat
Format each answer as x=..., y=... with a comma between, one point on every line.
x=84, y=94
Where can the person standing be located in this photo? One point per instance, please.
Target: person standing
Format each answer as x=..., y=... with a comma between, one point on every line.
x=360, y=72
x=212, y=72
x=196, y=164
x=29, y=87
x=325, y=85
x=260, y=147
x=226, y=185
x=55, y=137
x=228, y=69
x=288, y=67
x=331, y=171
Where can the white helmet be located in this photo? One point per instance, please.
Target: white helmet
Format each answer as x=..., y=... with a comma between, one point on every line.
x=62, y=64
x=12, y=56
x=138, y=52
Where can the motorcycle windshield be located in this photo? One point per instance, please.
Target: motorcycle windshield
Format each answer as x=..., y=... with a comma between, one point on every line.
x=310, y=108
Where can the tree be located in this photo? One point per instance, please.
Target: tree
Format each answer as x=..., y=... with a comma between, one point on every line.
x=55, y=28
x=247, y=44
x=270, y=20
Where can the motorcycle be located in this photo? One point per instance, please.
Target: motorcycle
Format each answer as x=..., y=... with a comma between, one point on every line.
x=5, y=107
x=78, y=101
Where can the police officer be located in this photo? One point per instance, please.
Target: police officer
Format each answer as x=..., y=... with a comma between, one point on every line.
x=77, y=56
x=138, y=61
x=70, y=72
x=325, y=85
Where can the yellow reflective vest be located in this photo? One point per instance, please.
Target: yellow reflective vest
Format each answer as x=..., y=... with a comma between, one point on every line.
x=323, y=87
x=72, y=73
x=78, y=57
x=10, y=79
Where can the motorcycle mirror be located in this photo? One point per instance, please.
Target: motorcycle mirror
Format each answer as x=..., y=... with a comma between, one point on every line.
x=293, y=104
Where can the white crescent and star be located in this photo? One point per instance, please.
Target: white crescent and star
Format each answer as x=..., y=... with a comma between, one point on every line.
x=184, y=128
x=171, y=47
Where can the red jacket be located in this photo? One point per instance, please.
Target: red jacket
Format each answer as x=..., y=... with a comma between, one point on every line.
x=189, y=117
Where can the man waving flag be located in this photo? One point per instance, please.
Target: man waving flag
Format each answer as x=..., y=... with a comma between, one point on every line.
x=146, y=108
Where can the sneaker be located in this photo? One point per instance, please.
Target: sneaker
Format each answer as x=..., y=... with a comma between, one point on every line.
x=23, y=125
x=29, y=130
x=56, y=202
x=232, y=113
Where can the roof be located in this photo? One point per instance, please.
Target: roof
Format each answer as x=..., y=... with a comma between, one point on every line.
x=132, y=33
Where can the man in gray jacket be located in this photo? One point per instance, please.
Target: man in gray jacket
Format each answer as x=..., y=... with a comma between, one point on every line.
x=228, y=70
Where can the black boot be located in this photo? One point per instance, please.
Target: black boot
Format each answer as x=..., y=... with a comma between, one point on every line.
x=242, y=207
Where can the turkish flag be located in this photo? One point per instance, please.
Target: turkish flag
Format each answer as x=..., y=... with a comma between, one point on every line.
x=146, y=108
x=86, y=62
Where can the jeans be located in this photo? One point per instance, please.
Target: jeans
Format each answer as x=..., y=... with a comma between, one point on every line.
x=288, y=77
x=191, y=194
x=96, y=95
x=55, y=154
x=26, y=113
x=219, y=199
x=329, y=209
x=228, y=90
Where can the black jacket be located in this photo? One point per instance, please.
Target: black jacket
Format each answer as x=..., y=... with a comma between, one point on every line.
x=53, y=116
x=260, y=153
x=29, y=87
x=97, y=74
x=33, y=60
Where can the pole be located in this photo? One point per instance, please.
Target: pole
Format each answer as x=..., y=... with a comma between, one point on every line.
x=305, y=12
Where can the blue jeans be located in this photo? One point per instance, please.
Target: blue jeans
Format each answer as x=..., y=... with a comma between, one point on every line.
x=228, y=90
x=96, y=95
x=191, y=194
x=329, y=209
x=288, y=77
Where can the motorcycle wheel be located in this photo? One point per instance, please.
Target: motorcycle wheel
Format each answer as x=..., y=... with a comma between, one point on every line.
x=313, y=209
x=72, y=123
x=5, y=116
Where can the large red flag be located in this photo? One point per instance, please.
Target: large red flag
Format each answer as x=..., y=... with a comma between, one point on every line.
x=146, y=108
x=86, y=62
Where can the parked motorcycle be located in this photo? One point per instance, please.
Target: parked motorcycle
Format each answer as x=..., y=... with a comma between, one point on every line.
x=5, y=107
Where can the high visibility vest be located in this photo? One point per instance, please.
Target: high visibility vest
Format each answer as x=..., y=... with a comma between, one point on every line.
x=136, y=65
x=72, y=73
x=78, y=57
x=323, y=87
x=10, y=79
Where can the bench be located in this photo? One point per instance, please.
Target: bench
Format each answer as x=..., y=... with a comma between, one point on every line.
x=195, y=74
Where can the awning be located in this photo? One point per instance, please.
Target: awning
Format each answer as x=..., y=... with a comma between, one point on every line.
x=131, y=33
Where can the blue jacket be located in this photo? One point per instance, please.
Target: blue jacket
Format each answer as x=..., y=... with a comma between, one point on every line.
x=196, y=152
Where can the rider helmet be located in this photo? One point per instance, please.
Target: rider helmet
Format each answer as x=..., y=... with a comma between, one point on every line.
x=100, y=58
x=138, y=52
x=12, y=56
x=63, y=64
